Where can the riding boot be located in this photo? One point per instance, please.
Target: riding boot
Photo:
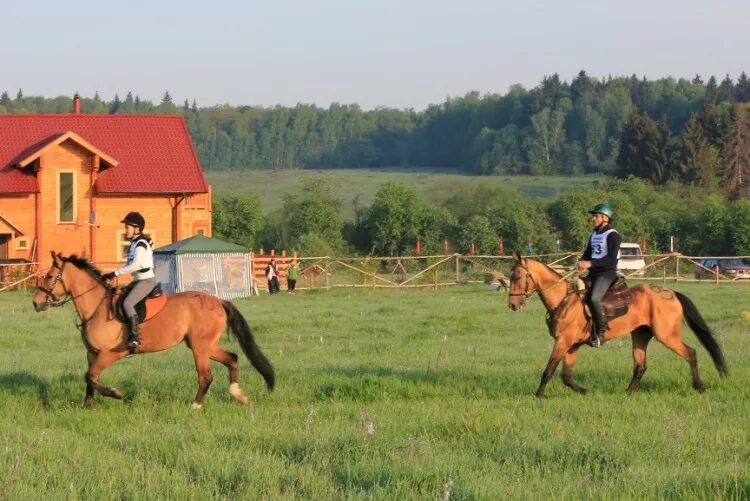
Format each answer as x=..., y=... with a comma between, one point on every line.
x=599, y=326
x=133, y=338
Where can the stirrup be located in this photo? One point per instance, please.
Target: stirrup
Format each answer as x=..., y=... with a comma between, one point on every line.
x=595, y=341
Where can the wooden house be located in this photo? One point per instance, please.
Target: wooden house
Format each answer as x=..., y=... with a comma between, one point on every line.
x=67, y=180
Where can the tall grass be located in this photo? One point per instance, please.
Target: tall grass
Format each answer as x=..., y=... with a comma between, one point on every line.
x=384, y=394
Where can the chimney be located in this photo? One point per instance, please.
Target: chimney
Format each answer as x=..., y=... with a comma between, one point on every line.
x=76, y=104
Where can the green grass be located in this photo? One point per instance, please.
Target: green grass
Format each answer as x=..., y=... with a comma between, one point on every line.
x=384, y=394
x=360, y=185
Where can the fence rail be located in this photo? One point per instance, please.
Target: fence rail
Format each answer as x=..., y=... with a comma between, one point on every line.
x=328, y=272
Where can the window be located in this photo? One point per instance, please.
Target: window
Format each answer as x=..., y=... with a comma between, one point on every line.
x=23, y=244
x=201, y=231
x=66, y=197
x=124, y=243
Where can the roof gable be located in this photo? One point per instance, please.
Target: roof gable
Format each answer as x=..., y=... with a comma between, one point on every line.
x=145, y=153
x=31, y=154
x=4, y=221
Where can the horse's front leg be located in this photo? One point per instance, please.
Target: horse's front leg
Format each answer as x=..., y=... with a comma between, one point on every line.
x=567, y=373
x=100, y=362
x=558, y=352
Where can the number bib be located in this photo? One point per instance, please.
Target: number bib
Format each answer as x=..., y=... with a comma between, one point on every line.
x=598, y=241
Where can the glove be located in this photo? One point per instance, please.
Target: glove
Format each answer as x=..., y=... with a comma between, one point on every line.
x=109, y=276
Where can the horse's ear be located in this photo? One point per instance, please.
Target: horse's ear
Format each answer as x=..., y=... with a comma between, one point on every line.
x=56, y=258
x=517, y=256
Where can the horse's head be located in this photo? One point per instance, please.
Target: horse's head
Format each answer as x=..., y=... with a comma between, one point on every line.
x=51, y=289
x=522, y=284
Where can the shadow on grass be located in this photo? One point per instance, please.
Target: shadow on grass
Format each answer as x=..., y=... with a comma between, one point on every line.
x=377, y=383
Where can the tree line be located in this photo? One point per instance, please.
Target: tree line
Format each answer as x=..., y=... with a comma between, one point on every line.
x=701, y=222
x=662, y=129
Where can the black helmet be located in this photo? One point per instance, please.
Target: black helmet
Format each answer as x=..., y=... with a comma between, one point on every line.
x=135, y=219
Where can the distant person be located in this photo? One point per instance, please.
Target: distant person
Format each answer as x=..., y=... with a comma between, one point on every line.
x=272, y=275
x=292, y=274
x=600, y=258
x=140, y=263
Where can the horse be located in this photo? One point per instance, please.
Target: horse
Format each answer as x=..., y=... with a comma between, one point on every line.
x=196, y=318
x=656, y=312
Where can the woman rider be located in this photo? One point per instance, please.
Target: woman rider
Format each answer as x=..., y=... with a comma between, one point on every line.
x=140, y=264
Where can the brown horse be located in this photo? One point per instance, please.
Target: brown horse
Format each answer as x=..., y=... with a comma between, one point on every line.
x=656, y=312
x=194, y=317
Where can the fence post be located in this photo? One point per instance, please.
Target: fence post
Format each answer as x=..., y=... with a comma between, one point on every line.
x=717, y=274
x=458, y=273
x=325, y=272
x=677, y=269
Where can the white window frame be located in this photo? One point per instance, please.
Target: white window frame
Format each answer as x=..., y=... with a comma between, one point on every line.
x=122, y=244
x=75, y=197
x=22, y=244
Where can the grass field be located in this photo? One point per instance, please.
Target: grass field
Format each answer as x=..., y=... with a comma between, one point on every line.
x=383, y=394
x=361, y=184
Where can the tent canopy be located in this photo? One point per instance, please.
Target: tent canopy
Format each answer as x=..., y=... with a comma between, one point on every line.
x=200, y=244
x=204, y=264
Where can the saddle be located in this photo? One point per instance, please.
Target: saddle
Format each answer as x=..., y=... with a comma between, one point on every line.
x=146, y=309
x=616, y=300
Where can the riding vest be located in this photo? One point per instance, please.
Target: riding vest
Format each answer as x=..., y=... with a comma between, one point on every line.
x=140, y=264
x=602, y=250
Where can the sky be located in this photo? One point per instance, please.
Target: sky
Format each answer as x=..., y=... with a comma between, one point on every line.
x=392, y=53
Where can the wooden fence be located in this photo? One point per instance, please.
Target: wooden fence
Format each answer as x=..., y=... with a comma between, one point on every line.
x=431, y=271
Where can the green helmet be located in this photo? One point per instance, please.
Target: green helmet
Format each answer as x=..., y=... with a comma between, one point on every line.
x=603, y=209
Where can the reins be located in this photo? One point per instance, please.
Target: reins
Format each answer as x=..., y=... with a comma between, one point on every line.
x=68, y=297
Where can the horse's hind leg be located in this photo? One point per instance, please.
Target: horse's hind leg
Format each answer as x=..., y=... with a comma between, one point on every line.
x=641, y=336
x=229, y=359
x=673, y=342
x=98, y=363
x=567, y=373
x=203, y=366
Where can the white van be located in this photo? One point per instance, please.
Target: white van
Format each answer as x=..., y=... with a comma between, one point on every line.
x=630, y=259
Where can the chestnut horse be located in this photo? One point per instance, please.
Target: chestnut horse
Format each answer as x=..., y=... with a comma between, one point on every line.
x=194, y=317
x=656, y=312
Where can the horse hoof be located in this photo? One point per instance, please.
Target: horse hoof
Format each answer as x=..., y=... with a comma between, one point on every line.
x=236, y=392
x=87, y=403
x=197, y=406
x=116, y=394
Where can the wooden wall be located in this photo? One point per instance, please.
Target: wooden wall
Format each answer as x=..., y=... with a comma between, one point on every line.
x=99, y=240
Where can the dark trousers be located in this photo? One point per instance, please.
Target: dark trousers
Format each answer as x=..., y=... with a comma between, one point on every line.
x=291, y=284
x=273, y=285
x=600, y=282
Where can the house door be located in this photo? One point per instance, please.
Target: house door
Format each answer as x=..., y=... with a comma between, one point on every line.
x=4, y=244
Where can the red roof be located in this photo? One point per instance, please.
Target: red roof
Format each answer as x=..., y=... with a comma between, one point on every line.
x=154, y=152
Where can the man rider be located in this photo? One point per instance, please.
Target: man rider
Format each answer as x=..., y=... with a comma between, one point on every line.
x=600, y=258
x=140, y=264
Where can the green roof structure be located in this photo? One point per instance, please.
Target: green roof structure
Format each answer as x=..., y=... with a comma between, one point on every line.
x=200, y=244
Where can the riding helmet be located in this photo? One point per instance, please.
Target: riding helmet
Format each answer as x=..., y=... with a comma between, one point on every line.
x=603, y=209
x=135, y=219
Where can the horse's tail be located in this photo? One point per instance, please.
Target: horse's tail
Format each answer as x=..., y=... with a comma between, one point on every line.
x=238, y=326
x=703, y=331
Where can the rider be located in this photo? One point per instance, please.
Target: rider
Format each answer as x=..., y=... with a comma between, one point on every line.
x=140, y=264
x=600, y=258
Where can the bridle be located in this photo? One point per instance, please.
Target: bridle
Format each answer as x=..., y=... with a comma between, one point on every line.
x=50, y=297
x=531, y=286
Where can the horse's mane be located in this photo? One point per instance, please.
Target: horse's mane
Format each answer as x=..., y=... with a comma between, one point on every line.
x=83, y=264
x=545, y=265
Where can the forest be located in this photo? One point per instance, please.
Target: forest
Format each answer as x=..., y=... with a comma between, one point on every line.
x=677, y=152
